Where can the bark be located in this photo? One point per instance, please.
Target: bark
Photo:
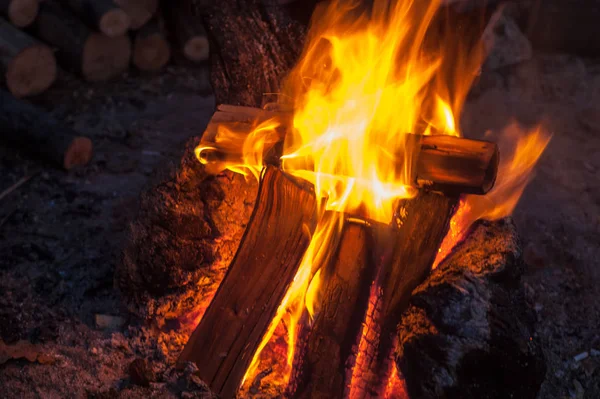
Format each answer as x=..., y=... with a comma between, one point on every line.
x=468, y=332
x=223, y=344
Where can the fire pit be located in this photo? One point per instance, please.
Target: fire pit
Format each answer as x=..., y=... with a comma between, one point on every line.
x=364, y=186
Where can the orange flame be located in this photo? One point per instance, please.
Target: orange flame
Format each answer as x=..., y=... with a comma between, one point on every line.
x=365, y=79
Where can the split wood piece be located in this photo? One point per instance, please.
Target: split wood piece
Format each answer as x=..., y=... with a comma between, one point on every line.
x=188, y=30
x=103, y=15
x=469, y=323
x=421, y=224
x=28, y=66
x=151, y=49
x=20, y=13
x=264, y=266
x=30, y=129
x=96, y=57
x=327, y=357
x=139, y=11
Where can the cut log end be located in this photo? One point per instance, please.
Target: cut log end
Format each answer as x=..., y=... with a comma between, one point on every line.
x=78, y=153
x=114, y=23
x=22, y=13
x=104, y=57
x=139, y=11
x=197, y=49
x=151, y=53
x=31, y=72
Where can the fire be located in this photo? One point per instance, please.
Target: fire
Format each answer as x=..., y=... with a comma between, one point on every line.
x=365, y=80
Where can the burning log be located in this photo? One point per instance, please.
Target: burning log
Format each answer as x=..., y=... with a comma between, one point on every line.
x=20, y=13
x=472, y=310
x=95, y=56
x=188, y=29
x=28, y=66
x=151, y=49
x=104, y=15
x=265, y=264
x=139, y=11
x=32, y=130
x=326, y=361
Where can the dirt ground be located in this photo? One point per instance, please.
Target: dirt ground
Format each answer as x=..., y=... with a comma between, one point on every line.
x=61, y=233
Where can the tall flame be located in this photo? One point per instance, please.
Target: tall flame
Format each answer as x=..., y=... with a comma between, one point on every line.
x=367, y=77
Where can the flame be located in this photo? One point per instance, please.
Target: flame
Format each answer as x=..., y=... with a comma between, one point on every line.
x=366, y=79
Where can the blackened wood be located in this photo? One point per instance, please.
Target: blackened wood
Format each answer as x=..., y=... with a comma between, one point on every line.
x=104, y=15
x=421, y=224
x=187, y=27
x=151, y=49
x=31, y=130
x=27, y=65
x=140, y=11
x=20, y=13
x=265, y=264
x=95, y=56
x=468, y=331
x=328, y=355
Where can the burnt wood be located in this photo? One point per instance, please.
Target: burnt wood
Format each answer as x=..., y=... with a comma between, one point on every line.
x=32, y=130
x=468, y=331
x=188, y=31
x=151, y=48
x=20, y=13
x=27, y=65
x=103, y=15
x=327, y=356
x=408, y=252
x=96, y=57
x=264, y=266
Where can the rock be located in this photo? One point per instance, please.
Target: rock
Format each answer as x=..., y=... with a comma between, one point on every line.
x=141, y=373
x=504, y=43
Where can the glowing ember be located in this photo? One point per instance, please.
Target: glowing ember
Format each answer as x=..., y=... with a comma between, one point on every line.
x=365, y=80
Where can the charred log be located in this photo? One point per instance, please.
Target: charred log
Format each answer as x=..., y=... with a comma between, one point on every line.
x=264, y=266
x=468, y=332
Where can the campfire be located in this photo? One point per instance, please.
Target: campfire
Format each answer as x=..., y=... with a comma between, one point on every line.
x=366, y=184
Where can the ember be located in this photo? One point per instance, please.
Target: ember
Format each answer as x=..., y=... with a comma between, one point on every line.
x=374, y=131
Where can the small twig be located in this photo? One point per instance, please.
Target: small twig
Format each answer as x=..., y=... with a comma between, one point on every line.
x=18, y=184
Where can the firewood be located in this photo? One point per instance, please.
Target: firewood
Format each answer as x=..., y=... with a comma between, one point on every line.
x=103, y=15
x=188, y=30
x=139, y=11
x=28, y=66
x=421, y=225
x=325, y=361
x=20, y=13
x=265, y=264
x=96, y=57
x=151, y=49
x=469, y=323
x=30, y=129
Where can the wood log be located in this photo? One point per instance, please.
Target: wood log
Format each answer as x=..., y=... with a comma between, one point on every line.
x=151, y=49
x=95, y=56
x=20, y=13
x=468, y=331
x=324, y=370
x=139, y=11
x=103, y=15
x=408, y=254
x=28, y=66
x=266, y=262
x=188, y=30
x=30, y=129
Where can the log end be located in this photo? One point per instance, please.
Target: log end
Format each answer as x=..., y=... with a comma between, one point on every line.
x=114, y=23
x=32, y=71
x=140, y=12
x=22, y=13
x=196, y=49
x=78, y=153
x=151, y=53
x=105, y=57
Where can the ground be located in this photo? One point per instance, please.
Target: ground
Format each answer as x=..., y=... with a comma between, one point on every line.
x=61, y=233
